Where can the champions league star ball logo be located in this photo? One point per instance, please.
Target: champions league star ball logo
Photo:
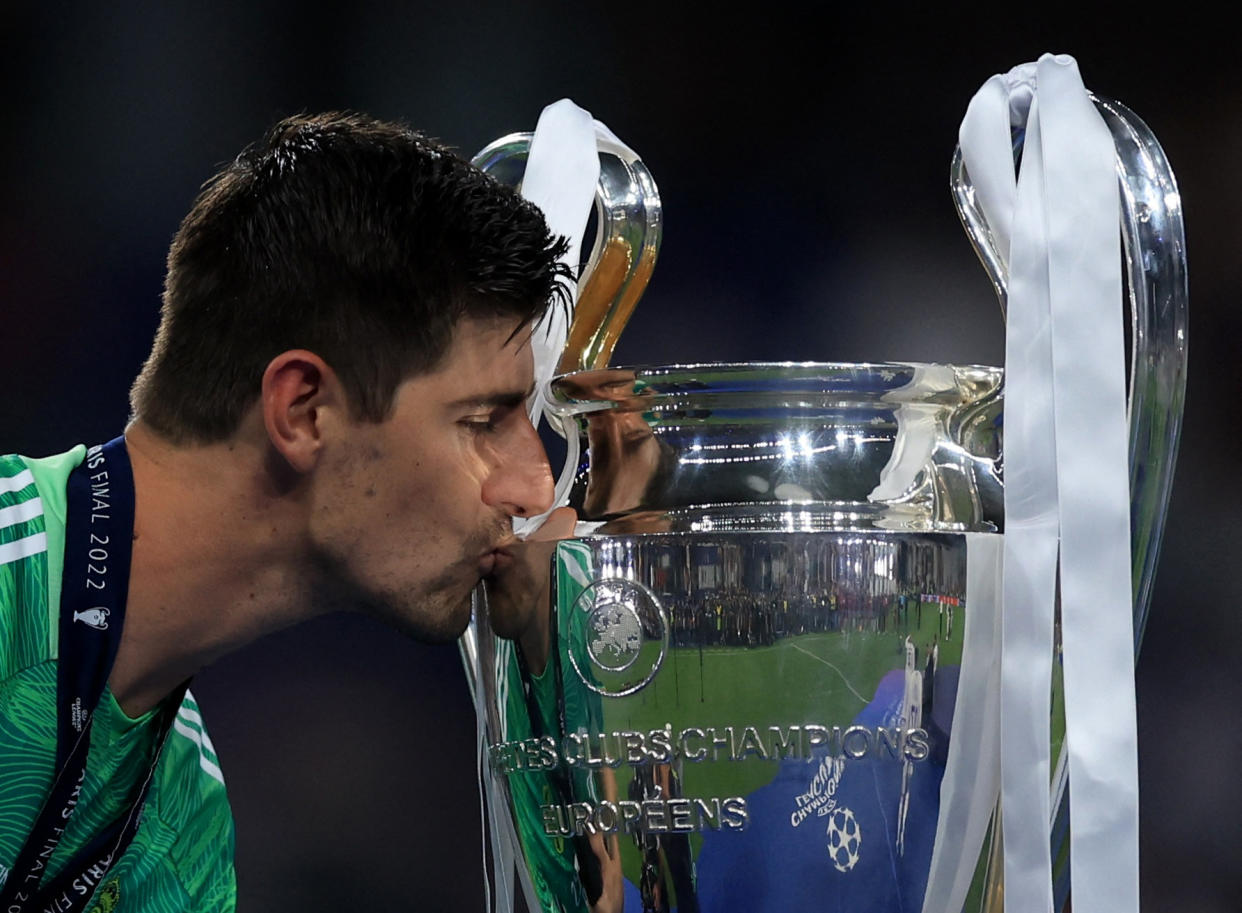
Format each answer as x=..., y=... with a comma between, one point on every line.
x=621, y=627
x=844, y=838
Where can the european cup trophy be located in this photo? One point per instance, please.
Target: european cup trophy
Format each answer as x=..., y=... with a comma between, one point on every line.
x=766, y=673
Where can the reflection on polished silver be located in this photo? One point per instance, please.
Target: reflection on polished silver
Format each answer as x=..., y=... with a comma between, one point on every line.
x=1155, y=245
x=799, y=710
x=786, y=447
x=627, y=240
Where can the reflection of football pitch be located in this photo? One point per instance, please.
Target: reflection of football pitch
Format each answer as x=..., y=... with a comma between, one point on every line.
x=811, y=678
x=822, y=678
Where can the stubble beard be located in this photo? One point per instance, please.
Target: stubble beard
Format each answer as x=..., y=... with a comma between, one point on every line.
x=443, y=614
x=435, y=612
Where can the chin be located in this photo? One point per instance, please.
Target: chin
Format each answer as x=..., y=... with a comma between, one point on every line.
x=440, y=618
x=447, y=622
x=459, y=617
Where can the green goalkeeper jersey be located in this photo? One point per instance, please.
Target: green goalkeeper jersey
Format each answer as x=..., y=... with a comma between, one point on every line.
x=181, y=857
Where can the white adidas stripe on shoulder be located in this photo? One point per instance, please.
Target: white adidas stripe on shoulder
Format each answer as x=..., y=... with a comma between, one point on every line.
x=189, y=723
x=23, y=548
x=17, y=482
x=190, y=715
x=209, y=767
x=20, y=513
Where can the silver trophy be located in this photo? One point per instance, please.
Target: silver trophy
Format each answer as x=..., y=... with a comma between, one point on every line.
x=739, y=689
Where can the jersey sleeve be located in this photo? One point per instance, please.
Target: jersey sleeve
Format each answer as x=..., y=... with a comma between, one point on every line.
x=23, y=570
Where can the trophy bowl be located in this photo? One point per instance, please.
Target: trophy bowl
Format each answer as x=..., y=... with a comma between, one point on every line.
x=738, y=691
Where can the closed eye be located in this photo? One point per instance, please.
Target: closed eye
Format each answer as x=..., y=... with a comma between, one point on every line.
x=490, y=421
x=485, y=424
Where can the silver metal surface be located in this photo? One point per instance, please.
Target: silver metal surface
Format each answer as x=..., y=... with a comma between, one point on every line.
x=763, y=725
x=735, y=446
x=738, y=692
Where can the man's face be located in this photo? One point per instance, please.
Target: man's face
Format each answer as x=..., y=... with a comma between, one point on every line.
x=410, y=512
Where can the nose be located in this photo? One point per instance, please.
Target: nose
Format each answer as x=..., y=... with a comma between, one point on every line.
x=520, y=483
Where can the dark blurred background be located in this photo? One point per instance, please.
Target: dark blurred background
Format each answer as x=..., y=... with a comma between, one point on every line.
x=803, y=160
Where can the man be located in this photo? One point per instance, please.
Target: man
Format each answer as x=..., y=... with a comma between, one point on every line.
x=332, y=417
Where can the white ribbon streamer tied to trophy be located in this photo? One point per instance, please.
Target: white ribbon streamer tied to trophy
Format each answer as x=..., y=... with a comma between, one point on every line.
x=1067, y=507
x=562, y=174
x=561, y=177
x=562, y=171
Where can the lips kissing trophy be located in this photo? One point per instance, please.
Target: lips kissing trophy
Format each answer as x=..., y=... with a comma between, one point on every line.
x=846, y=636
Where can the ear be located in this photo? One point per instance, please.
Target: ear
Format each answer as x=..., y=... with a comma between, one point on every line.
x=297, y=388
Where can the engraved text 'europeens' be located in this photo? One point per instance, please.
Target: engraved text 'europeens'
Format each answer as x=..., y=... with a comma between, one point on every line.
x=651, y=816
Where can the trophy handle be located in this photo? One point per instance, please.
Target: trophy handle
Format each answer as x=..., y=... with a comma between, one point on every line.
x=630, y=225
x=1155, y=247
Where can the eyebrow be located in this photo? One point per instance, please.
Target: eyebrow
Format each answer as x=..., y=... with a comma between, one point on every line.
x=494, y=398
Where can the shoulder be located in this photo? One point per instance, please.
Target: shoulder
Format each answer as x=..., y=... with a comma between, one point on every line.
x=194, y=802
x=32, y=523
x=192, y=751
x=22, y=527
x=188, y=824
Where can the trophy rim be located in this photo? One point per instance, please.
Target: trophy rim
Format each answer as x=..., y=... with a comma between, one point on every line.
x=811, y=364
x=887, y=381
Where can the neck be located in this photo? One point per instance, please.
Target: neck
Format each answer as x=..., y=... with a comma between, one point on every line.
x=218, y=561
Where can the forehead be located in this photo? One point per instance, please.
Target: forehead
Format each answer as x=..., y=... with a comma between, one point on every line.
x=503, y=340
x=486, y=357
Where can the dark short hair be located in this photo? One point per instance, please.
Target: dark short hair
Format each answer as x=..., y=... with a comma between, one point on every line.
x=360, y=240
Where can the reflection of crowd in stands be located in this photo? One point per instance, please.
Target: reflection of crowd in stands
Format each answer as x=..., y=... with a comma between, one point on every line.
x=737, y=617
x=826, y=586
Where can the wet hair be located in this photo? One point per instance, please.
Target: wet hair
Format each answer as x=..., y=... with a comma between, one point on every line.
x=360, y=240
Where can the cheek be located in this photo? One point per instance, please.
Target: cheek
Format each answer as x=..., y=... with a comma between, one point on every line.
x=439, y=488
